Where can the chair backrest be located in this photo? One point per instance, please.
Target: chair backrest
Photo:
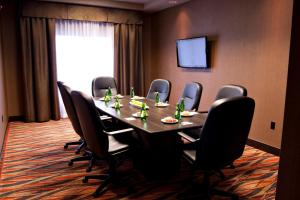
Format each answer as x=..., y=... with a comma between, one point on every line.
x=101, y=84
x=228, y=91
x=162, y=86
x=91, y=125
x=65, y=92
x=225, y=132
x=192, y=94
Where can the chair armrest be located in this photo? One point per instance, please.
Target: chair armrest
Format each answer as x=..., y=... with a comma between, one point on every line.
x=187, y=137
x=203, y=111
x=119, y=131
x=105, y=117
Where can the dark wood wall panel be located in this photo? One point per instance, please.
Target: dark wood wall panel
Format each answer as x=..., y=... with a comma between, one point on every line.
x=289, y=168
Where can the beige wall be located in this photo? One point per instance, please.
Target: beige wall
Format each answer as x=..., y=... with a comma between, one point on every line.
x=3, y=123
x=250, y=47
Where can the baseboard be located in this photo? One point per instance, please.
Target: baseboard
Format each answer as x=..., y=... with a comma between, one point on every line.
x=263, y=147
x=15, y=118
x=3, y=142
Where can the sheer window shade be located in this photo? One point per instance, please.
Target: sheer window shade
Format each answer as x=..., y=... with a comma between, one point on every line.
x=84, y=50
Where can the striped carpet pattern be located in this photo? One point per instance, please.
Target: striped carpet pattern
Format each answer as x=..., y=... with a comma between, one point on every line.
x=34, y=166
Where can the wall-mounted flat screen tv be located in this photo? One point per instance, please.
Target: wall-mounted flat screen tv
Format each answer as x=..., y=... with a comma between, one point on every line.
x=192, y=52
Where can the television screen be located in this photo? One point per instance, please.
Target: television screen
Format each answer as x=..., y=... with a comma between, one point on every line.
x=191, y=53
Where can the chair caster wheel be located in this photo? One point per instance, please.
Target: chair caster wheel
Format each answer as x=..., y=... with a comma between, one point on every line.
x=66, y=146
x=84, y=180
x=70, y=163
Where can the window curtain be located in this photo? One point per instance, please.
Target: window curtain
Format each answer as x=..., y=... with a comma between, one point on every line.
x=39, y=69
x=84, y=51
x=128, y=57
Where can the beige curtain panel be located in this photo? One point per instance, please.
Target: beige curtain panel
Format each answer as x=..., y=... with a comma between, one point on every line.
x=128, y=69
x=39, y=69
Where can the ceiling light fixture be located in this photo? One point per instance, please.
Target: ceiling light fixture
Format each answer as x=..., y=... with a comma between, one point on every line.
x=173, y=2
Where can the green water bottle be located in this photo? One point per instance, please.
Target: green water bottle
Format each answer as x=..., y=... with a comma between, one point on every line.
x=132, y=94
x=182, y=106
x=144, y=113
x=107, y=98
x=157, y=98
x=117, y=103
x=109, y=93
x=178, y=112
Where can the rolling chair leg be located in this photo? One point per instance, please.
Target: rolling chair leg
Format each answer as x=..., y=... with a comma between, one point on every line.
x=212, y=191
x=107, y=179
x=103, y=187
x=91, y=164
x=100, y=177
x=72, y=143
x=81, y=158
x=78, y=149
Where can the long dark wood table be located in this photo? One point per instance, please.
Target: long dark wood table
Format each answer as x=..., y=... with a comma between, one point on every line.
x=153, y=123
x=160, y=144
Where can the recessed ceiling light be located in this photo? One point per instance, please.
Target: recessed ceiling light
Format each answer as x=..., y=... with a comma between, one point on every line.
x=173, y=1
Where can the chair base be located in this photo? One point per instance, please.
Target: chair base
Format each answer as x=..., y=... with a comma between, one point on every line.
x=211, y=191
x=80, y=147
x=109, y=177
x=86, y=157
x=102, y=188
x=81, y=158
x=72, y=143
x=81, y=144
x=206, y=190
x=107, y=180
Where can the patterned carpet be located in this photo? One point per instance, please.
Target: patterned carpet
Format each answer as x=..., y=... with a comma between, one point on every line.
x=34, y=166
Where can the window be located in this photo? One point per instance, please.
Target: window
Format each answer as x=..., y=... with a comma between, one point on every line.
x=84, y=50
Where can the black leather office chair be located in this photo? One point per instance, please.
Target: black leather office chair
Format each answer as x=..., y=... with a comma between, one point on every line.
x=162, y=86
x=101, y=84
x=100, y=143
x=65, y=92
x=223, y=138
x=192, y=94
x=228, y=91
x=70, y=108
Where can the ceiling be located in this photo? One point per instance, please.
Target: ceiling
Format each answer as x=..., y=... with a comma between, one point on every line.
x=141, y=5
x=135, y=1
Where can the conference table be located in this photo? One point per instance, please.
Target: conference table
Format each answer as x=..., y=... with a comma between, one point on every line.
x=160, y=145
